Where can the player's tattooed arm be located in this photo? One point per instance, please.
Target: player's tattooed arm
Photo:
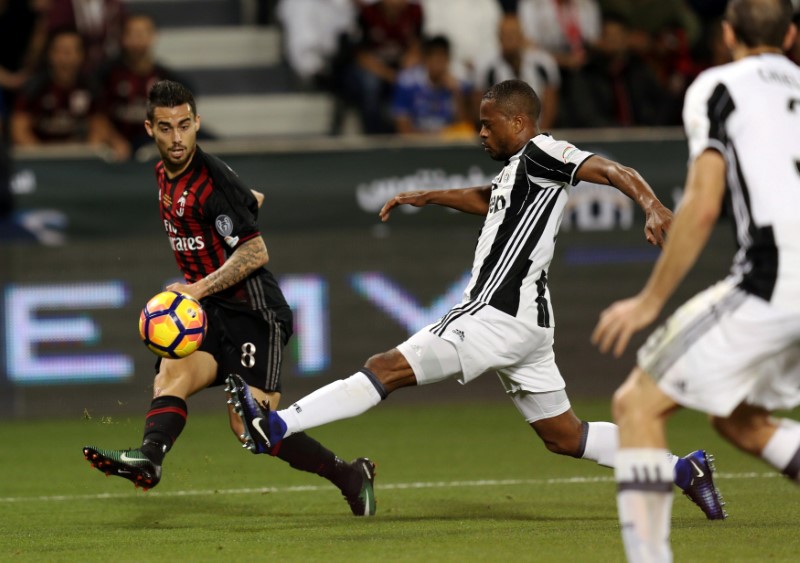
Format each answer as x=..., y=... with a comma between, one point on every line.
x=247, y=258
x=468, y=200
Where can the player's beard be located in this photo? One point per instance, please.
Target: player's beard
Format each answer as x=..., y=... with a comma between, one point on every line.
x=176, y=161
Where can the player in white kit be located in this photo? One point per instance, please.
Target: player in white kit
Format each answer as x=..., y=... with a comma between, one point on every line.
x=733, y=351
x=504, y=322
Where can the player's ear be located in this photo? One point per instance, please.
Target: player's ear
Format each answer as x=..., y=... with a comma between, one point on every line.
x=519, y=123
x=149, y=128
x=789, y=38
x=728, y=36
x=196, y=123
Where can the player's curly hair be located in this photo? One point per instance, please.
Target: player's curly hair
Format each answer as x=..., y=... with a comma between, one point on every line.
x=514, y=97
x=169, y=94
x=760, y=23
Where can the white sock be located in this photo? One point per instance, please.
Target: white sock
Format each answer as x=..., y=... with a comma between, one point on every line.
x=644, y=500
x=783, y=450
x=341, y=399
x=602, y=443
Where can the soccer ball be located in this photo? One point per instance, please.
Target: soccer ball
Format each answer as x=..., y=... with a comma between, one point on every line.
x=172, y=324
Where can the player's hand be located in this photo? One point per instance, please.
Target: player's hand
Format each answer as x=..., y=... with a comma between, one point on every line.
x=657, y=222
x=192, y=290
x=417, y=199
x=619, y=322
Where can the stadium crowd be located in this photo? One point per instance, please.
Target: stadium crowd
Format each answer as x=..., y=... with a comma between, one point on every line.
x=595, y=63
x=77, y=71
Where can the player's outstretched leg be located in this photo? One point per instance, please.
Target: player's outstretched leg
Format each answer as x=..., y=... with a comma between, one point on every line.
x=355, y=479
x=129, y=464
x=599, y=442
x=694, y=473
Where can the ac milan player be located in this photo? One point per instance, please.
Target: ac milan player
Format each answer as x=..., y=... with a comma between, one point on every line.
x=128, y=78
x=210, y=219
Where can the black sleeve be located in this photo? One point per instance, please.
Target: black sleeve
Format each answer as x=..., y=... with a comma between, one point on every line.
x=231, y=206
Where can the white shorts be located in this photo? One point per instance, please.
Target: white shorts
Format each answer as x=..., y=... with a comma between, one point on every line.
x=487, y=340
x=724, y=347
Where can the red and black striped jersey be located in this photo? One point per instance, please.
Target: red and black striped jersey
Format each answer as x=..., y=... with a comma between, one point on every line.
x=207, y=213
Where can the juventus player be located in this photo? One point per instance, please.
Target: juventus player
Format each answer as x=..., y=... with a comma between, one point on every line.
x=733, y=351
x=210, y=218
x=505, y=320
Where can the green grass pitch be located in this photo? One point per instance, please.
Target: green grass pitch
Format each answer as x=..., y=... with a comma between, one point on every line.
x=455, y=483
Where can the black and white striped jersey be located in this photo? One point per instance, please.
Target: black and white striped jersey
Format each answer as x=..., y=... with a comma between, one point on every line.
x=749, y=111
x=516, y=243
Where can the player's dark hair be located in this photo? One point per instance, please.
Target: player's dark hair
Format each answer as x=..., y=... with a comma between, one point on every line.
x=513, y=97
x=435, y=43
x=760, y=23
x=169, y=94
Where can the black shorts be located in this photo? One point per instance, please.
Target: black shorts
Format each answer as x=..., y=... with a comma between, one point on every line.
x=248, y=343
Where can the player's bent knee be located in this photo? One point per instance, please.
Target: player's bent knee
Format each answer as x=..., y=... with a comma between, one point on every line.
x=561, y=434
x=562, y=445
x=639, y=399
x=383, y=363
x=620, y=403
x=391, y=369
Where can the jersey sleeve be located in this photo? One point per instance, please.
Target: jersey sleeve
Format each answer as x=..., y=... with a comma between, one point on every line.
x=555, y=160
x=703, y=118
x=231, y=206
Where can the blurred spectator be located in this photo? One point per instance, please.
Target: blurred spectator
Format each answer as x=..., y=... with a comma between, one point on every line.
x=665, y=33
x=99, y=23
x=651, y=19
x=618, y=88
x=313, y=31
x=59, y=105
x=471, y=27
x=519, y=59
x=715, y=52
x=564, y=28
x=22, y=37
x=390, y=32
x=427, y=97
x=126, y=81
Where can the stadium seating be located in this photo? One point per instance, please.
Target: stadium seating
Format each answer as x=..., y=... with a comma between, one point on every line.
x=235, y=67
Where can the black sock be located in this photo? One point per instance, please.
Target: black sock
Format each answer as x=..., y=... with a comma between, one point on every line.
x=162, y=426
x=304, y=453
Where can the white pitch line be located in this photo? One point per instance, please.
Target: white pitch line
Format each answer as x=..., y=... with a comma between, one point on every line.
x=381, y=486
